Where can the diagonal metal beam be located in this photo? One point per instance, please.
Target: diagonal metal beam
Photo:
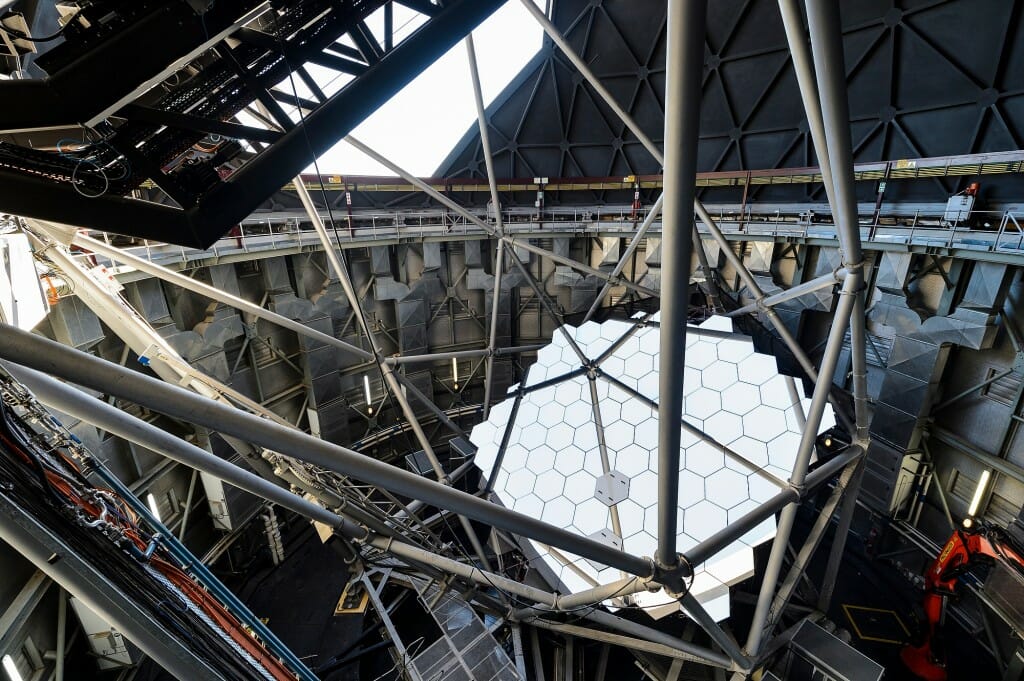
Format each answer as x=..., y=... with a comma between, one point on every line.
x=634, y=243
x=489, y=229
x=441, y=198
x=388, y=372
x=815, y=413
x=341, y=272
x=190, y=284
x=90, y=371
x=492, y=183
x=824, y=281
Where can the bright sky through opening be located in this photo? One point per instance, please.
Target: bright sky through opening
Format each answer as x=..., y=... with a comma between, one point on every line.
x=419, y=126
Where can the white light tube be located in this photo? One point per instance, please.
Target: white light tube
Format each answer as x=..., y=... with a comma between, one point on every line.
x=12, y=669
x=151, y=500
x=979, y=493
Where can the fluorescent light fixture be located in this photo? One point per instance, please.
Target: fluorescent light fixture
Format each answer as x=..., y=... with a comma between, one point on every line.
x=12, y=669
x=369, y=397
x=979, y=493
x=455, y=373
x=153, y=507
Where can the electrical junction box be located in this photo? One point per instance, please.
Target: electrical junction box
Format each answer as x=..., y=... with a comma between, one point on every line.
x=958, y=209
x=108, y=643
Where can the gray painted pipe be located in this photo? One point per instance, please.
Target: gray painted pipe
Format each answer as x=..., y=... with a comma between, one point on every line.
x=634, y=243
x=819, y=398
x=72, y=401
x=686, y=25
x=56, y=359
x=216, y=294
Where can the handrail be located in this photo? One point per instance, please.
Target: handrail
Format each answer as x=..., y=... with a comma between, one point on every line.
x=286, y=232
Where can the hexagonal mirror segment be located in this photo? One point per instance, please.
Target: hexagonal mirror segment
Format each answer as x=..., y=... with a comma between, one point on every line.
x=554, y=466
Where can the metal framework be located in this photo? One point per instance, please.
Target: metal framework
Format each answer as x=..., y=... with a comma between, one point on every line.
x=822, y=85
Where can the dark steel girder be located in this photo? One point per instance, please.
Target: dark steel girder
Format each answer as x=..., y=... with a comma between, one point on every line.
x=230, y=202
x=100, y=77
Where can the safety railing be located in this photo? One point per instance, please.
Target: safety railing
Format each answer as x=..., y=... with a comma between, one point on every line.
x=282, y=232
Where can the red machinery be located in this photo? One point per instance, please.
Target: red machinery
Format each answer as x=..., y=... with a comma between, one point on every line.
x=975, y=544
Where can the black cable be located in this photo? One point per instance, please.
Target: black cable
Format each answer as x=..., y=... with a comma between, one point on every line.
x=23, y=36
x=27, y=485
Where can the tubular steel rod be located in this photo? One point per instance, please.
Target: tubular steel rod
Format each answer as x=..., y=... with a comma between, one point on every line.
x=577, y=265
x=460, y=354
x=212, y=293
x=708, y=656
x=444, y=200
x=615, y=639
x=74, y=402
x=492, y=338
x=810, y=546
x=996, y=463
x=803, y=66
x=633, y=126
x=792, y=292
x=485, y=136
x=830, y=70
x=684, y=60
x=602, y=446
x=838, y=548
x=594, y=81
x=489, y=229
x=70, y=400
x=53, y=358
x=959, y=396
x=634, y=243
x=822, y=387
x=434, y=409
x=340, y=271
x=826, y=35
x=724, y=641
x=436, y=356
x=798, y=405
x=485, y=143
x=515, y=350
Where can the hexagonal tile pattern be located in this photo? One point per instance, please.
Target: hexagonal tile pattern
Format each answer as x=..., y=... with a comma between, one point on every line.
x=556, y=468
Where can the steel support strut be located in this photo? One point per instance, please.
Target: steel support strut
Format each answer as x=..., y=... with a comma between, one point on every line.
x=53, y=358
x=684, y=61
x=341, y=271
x=819, y=399
x=634, y=243
x=207, y=291
x=492, y=182
x=830, y=70
x=72, y=401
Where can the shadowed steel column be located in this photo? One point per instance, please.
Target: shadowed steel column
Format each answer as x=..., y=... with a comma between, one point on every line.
x=825, y=29
x=684, y=66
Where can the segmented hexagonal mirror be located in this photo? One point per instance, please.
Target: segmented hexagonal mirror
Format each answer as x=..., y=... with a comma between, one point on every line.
x=581, y=451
